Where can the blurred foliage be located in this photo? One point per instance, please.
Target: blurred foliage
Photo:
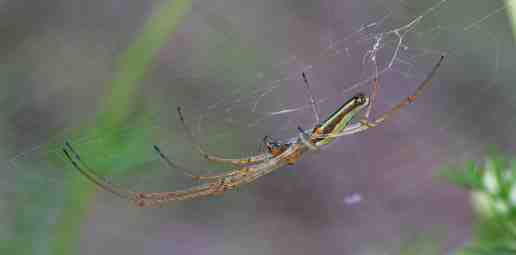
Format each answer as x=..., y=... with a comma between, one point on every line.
x=61, y=235
x=131, y=68
x=511, y=4
x=493, y=192
x=421, y=246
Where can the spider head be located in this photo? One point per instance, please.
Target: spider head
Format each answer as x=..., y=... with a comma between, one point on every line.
x=276, y=148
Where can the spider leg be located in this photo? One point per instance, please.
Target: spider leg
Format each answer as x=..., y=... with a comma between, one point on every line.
x=141, y=199
x=189, y=173
x=235, y=161
x=158, y=198
x=305, y=139
x=365, y=124
x=75, y=159
x=270, y=142
x=289, y=156
x=302, y=131
x=408, y=100
x=376, y=86
x=315, y=107
x=267, y=138
x=208, y=189
x=218, y=186
x=221, y=185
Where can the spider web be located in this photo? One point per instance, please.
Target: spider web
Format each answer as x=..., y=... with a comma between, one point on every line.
x=236, y=71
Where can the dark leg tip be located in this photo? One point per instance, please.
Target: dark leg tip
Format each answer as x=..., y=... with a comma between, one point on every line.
x=66, y=153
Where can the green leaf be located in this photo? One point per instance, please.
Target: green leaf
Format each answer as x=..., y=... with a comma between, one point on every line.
x=469, y=178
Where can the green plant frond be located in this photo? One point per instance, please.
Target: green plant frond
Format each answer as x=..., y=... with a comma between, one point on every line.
x=492, y=183
x=469, y=178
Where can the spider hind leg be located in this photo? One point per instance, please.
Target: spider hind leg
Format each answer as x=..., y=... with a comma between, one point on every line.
x=408, y=100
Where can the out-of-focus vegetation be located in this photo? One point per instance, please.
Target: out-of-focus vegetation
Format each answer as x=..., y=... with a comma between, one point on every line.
x=493, y=195
x=131, y=68
x=118, y=106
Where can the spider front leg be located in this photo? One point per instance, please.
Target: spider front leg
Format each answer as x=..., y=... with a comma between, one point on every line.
x=209, y=189
x=157, y=199
x=76, y=161
x=147, y=199
x=189, y=173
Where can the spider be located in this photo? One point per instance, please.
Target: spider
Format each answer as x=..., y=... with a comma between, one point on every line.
x=276, y=154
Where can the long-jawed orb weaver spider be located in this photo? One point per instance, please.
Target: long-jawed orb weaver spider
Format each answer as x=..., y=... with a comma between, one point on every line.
x=276, y=155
